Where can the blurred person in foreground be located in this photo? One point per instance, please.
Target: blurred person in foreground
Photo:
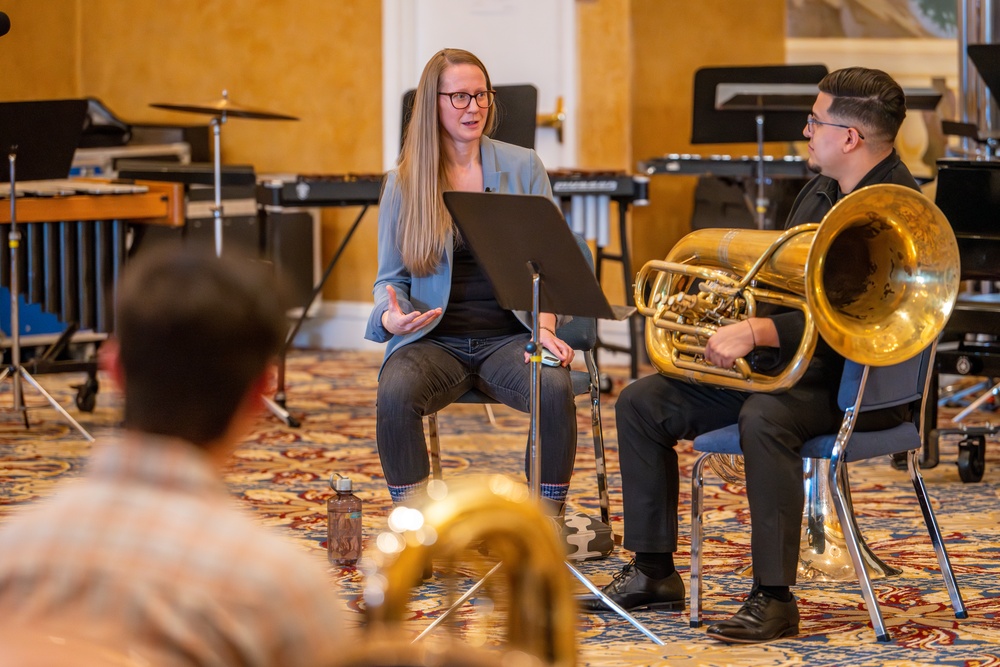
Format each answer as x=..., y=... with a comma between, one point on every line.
x=148, y=554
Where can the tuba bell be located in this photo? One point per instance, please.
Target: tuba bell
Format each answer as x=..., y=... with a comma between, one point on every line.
x=496, y=512
x=877, y=279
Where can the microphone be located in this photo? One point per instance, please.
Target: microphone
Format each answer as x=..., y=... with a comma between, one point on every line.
x=4, y=24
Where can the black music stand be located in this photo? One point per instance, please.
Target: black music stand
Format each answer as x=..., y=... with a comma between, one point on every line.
x=529, y=254
x=742, y=120
x=40, y=138
x=986, y=58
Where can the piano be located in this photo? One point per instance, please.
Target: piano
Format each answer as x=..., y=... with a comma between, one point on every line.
x=968, y=193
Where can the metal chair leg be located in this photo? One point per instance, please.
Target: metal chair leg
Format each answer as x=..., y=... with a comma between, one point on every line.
x=597, y=429
x=697, y=504
x=434, y=444
x=853, y=542
x=490, y=415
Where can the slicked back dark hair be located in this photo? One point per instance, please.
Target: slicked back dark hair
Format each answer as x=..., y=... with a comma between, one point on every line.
x=868, y=98
x=195, y=332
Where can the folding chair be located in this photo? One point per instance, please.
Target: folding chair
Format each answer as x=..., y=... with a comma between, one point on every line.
x=580, y=334
x=862, y=388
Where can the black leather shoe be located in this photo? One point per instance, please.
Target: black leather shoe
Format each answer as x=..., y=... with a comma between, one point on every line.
x=631, y=590
x=762, y=618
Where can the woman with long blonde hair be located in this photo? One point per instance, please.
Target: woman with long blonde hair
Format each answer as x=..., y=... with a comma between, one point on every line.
x=434, y=306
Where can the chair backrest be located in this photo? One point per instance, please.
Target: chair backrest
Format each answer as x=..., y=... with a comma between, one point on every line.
x=580, y=333
x=887, y=386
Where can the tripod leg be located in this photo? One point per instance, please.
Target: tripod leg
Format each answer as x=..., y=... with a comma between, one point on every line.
x=614, y=605
x=53, y=402
x=281, y=413
x=458, y=603
x=278, y=404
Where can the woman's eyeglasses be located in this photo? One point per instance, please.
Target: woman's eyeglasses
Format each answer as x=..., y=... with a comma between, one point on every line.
x=462, y=100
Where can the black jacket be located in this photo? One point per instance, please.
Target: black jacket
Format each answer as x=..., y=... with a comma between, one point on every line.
x=811, y=205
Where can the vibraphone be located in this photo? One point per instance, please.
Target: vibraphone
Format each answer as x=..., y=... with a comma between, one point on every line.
x=586, y=198
x=73, y=245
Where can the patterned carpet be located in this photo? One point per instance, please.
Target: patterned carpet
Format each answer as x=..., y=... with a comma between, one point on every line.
x=281, y=474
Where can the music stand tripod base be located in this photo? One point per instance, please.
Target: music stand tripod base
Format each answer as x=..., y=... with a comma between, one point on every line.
x=15, y=370
x=503, y=232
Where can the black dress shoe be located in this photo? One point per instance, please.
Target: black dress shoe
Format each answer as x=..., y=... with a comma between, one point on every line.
x=631, y=589
x=762, y=618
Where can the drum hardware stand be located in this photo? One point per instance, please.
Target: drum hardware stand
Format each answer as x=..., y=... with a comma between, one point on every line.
x=216, y=124
x=15, y=370
x=277, y=405
x=220, y=110
x=480, y=217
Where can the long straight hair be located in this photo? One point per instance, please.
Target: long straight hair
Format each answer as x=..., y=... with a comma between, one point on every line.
x=424, y=221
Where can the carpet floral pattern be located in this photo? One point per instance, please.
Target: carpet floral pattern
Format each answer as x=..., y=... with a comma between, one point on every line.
x=281, y=474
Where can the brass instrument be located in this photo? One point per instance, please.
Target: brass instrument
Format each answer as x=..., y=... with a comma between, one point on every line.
x=877, y=278
x=497, y=512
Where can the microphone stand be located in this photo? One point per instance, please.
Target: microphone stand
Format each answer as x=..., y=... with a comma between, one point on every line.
x=15, y=370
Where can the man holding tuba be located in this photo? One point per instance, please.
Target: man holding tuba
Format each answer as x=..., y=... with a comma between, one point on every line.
x=851, y=131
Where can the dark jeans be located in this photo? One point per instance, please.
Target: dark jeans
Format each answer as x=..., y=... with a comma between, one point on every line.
x=653, y=413
x=421, y=378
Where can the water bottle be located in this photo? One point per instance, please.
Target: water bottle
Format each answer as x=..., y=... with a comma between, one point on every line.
x=343, y=523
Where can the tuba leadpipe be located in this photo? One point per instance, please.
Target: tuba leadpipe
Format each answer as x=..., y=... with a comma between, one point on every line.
x=877, y=279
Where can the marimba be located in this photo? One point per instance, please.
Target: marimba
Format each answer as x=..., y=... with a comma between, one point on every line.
x=74, y=242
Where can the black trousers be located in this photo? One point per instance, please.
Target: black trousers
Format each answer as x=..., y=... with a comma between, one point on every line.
x=655, y=412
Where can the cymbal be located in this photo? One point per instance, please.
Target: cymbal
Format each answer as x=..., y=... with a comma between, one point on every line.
x=225, y=107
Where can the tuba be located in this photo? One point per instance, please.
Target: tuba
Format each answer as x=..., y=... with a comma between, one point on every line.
x=493, y=512
x=877, y=279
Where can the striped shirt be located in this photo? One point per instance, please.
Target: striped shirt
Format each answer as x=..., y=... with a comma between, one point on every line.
x=150, y=550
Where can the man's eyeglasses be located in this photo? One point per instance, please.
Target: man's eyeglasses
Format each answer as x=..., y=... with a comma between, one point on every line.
x=484, y=99
x=812, y=122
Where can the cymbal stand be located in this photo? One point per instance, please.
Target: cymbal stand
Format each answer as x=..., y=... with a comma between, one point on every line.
x=762, y=203
x=216, y=123
x=278, y=405
x=15, y=370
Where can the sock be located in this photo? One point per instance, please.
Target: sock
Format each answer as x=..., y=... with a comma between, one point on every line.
x=654, y=565
x=782, y=593
x=556, y=492
x=404, y=492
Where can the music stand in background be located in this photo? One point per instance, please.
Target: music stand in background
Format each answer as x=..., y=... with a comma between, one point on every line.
x=529, y=254
x=516, y=113
x=715, y=122
x=986, y=58
x=40, y=139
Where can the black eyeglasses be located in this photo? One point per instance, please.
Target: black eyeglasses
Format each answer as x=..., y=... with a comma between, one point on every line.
x=484, y=100
x=812, y=121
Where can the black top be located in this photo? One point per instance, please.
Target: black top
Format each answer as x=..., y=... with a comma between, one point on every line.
x=472, y=308
x=812, y=204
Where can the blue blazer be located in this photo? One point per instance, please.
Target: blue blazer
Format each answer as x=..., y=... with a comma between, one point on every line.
x=507, y=169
